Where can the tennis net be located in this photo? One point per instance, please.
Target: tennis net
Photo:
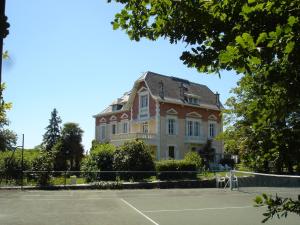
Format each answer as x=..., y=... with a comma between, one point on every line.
x=251, y=182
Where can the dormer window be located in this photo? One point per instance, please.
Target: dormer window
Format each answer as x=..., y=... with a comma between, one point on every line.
x=193, y=100
x=144, y=104
x=116, y=107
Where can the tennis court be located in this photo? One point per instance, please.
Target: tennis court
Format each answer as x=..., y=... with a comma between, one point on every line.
x=115, y=207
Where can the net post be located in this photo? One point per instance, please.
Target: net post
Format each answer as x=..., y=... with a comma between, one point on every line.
x=230, y=179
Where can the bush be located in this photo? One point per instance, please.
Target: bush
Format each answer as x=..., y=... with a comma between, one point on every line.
x=194, y=157
x=228, y=161
x=11, y=163
x=134, y=156
x=43, y=164
x=176, y=169
x=88, y=166
x=100, y=159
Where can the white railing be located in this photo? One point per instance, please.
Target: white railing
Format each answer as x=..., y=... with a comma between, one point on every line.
x=195, y=139
x=132, y=136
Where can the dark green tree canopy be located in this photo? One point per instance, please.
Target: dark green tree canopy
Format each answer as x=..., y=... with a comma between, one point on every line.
x=53, y=131
x=241, y=35
x=69, y=147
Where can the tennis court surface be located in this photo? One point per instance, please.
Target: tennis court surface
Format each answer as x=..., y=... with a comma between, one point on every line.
x=116, y=207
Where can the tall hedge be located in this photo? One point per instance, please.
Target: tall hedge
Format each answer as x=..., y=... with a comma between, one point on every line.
x=176, y=169
x=134, y=156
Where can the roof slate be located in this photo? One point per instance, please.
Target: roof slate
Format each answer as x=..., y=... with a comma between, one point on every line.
x=172, y=88
x=172, y=93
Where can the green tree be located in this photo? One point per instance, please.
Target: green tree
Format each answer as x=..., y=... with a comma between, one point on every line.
x=53, y=131
x=8, y=138
x=69, y=150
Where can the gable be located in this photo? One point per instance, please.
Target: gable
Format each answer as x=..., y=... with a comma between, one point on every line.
x=113, y=117
x=102, y=120
x=142, y=89
x=212, y=117
x=194, y=115
x=124, y=116
x=172, y=112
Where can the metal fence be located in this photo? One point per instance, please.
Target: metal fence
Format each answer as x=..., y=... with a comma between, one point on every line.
x=68, y=178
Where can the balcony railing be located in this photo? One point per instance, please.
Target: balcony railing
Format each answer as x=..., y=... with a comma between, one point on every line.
x=195, y=139
x=132, y=136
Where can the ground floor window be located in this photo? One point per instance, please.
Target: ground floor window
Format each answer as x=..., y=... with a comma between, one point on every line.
x=125, y=127
x=102, y=132
x=171, y=152
x=114, y=129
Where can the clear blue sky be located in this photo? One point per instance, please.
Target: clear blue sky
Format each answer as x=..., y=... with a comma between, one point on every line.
x=64, y=54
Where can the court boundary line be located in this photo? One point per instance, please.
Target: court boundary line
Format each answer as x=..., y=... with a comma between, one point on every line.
x=201, y=209
x=138, y=211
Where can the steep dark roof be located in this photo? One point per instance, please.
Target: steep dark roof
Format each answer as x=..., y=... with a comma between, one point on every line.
x=172, y=93
x=171, y=86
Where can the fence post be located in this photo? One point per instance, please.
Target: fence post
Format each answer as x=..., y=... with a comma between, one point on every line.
x=65, y=182
x=22, y=173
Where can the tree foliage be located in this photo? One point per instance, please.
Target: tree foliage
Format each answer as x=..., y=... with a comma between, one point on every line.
x=53, y=131
x=8, y=138
x=43, y=165
x=277, y=206
x=101, y=158
x=133, y=156
x=194, y=157
x=69, y=150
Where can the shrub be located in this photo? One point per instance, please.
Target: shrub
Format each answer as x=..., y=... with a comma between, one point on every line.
x=134, y=156
x=88, y=166
x=176, y=169
x=11, y=163
x=228, y=161
x=43, y=165
x=100, y=159
x=194, y=157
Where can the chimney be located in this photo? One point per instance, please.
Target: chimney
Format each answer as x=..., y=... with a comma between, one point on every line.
x=161, y=89
x=181, y=89
x=218, y=99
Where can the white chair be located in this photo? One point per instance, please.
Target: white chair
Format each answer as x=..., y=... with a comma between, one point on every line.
x=233, y=180
x=220, y=181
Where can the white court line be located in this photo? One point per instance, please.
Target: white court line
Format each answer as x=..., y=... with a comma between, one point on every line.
x=201, y=209
x=61, y=199
x=131, y=206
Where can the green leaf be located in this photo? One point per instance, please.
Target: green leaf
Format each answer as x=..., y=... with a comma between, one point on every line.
x=115, y=25
x=289, y=47
x=292, y=20
x=261, y=38
x=255, y=60
x=240, y=41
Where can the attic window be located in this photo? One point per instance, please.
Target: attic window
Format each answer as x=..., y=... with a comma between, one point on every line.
x=193, y=100
x=116, y=107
